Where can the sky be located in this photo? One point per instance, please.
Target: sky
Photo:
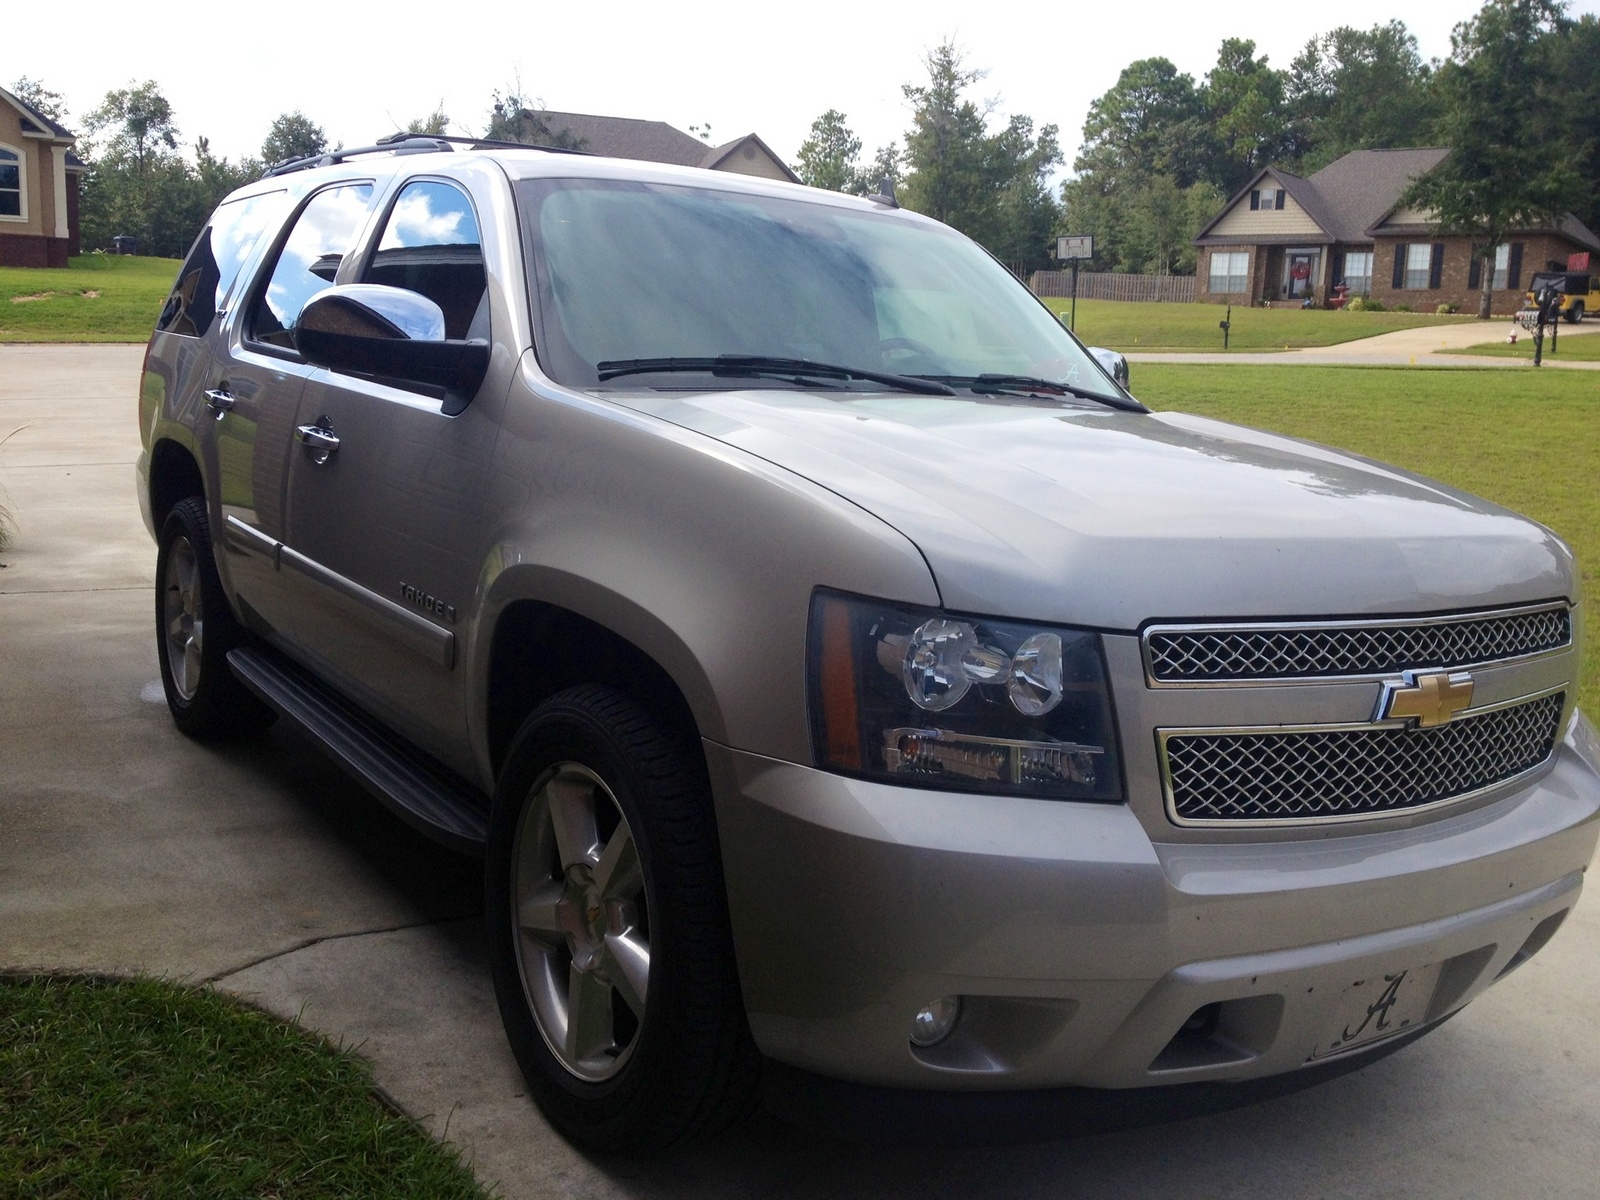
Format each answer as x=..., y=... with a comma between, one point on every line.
x=361, y=71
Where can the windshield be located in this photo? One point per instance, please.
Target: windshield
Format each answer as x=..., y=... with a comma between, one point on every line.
x=631, y=271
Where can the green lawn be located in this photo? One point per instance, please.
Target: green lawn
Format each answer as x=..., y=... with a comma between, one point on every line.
x=140, y=1088
x=1125, y=326
x=98, y=298
x=1524, y=440
x=1581, y=347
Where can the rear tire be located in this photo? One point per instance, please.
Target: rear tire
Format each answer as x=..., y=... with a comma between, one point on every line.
x=608, y=929
x=1575, y=313
x=195, y=629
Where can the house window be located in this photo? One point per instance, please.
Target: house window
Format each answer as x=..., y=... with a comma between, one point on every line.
x=11, y=183
x=1230, y=271
x=1419, y=260
x=1266, y=198
x=1358, y=272
x=1502, y=266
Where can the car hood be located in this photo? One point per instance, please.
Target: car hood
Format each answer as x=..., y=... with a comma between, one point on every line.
x=1107, y=518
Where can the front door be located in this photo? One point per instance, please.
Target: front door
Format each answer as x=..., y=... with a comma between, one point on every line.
x=383, y=501
x=1300, y=273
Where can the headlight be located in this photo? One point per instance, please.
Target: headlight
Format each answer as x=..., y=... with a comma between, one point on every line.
x=933, y=699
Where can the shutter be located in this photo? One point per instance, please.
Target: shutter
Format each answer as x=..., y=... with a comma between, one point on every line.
x=1514, y=267
x=1336, y=268
x=1279, y=202
x=1436, y=266
x=1255, y=200
x=1399, y=266
x=1475, y=271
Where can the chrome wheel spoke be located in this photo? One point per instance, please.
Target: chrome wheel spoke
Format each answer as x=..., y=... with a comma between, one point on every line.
x=571, y=804
x=588, y=1016
x=539, y=916
x=182, y=619
x=618, y=875
x=626, y=960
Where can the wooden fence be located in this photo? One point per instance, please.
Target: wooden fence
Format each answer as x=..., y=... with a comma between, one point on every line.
x=1109, y=285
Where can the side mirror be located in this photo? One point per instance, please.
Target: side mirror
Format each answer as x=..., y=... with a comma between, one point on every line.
x=393, y=336
x=1112, y=362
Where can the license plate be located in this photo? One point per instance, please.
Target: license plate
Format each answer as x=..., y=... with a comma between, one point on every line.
x=1382, y=1006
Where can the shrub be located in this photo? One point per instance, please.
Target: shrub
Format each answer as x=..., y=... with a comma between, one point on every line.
x=1445, y=309
x=1365, y=304
x=1402, y=308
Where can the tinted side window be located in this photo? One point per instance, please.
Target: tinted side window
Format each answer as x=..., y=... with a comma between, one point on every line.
x=323, y=233
x=215, y=260
x=430, y=245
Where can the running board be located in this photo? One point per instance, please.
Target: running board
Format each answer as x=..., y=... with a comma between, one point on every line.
x=422, y=791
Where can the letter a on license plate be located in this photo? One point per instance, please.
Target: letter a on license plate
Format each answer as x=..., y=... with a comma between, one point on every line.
x=1382, y=1006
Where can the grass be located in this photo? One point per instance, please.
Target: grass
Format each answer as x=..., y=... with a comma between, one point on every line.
x=1584, y=347
x=141, y=1088
x=1524, y=440
x=98, y=298
x=1121, y=325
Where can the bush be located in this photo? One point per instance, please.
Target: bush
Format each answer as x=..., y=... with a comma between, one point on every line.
x=1364, y=304
x=1402, y=308
x=1445, y=309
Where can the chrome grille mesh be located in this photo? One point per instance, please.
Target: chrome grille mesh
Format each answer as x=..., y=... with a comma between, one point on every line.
x=1308, y=774
x=1333, y=651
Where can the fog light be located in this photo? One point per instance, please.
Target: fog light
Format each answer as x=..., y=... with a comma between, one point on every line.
x=934, y=1023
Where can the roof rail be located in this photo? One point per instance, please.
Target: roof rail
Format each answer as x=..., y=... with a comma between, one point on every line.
x=407, y=143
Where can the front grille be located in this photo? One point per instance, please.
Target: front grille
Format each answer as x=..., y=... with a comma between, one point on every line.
x=1310, y=774
x=1352, y=648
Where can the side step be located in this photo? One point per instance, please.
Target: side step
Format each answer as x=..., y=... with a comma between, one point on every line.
x=422, y=791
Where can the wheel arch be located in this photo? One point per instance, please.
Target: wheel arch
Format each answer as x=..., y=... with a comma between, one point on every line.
x=538, y=648
x=174, y=475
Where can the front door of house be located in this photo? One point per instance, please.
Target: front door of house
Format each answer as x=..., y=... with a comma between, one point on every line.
x=1300, y=273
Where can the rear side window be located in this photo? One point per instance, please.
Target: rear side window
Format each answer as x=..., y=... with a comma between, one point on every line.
x=430, y=244
x=323, y=234
x=216, y=259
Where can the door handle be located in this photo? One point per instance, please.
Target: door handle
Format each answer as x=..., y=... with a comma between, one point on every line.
x=219, y=400
x=318, y=439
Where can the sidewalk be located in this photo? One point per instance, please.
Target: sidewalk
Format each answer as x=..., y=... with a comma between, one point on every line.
x=1405, y=347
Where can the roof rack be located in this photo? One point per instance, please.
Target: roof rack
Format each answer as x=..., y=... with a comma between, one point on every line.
x=408, y=143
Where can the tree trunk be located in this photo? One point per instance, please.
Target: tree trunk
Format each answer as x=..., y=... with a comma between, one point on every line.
x=1487, y=284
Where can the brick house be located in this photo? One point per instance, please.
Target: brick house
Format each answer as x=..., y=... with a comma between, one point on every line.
x=656, y=141
x=39, y=186
x=1290, y=238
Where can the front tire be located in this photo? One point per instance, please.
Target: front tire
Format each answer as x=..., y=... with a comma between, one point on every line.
x=1575, y=313
x=195, y=629
x=608, y=930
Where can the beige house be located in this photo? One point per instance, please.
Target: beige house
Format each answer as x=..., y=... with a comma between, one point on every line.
x=656, y=141
x=1290, y=239
x=39, y=179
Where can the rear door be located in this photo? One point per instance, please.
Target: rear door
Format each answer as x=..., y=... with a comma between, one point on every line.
x=383, y=532
x=254, y=387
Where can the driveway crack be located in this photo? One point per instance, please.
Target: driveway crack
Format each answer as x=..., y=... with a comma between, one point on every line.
x=307, y=943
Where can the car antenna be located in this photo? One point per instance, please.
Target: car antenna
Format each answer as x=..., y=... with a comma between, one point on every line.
x=885, y=195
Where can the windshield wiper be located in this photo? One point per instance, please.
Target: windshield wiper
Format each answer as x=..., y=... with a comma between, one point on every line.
x=751, y=365
x=998, y=385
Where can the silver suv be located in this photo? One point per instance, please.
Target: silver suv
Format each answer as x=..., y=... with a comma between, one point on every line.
x=848, y=683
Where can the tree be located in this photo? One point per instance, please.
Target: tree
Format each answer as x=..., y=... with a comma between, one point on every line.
x=136, y=122
x=828, y=156
x=515, y=116
x=1243, y=100
x=1355, y=89
x=41, y=99
x=293, y=135
x=992, y=187
x=1151, y=122
x=1573, y=98
x=1502, y=172
x=436, y=122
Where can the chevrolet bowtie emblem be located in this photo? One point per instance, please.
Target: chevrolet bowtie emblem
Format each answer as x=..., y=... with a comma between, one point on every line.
x=1430, y=698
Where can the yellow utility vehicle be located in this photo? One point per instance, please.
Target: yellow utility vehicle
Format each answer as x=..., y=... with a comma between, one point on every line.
x=1580, y=292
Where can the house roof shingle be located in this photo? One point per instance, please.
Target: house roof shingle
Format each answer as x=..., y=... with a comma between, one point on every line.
x=647, y=141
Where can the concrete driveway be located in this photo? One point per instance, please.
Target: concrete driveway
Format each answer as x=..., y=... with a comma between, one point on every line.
x=126, y=847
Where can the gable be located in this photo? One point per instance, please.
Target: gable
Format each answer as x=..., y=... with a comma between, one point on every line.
x=1291, y=220
x=749, y=155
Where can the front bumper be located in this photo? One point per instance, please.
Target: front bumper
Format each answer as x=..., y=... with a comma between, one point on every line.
x=1080, y=947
